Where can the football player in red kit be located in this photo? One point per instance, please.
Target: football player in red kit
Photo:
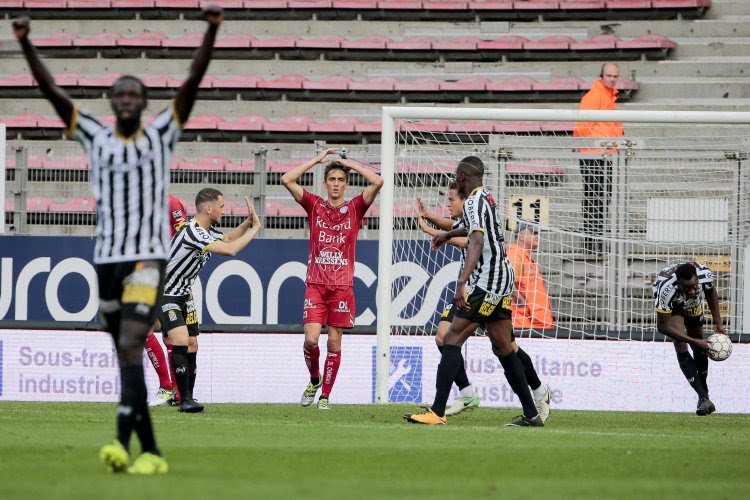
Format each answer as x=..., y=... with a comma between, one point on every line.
x=329, y=295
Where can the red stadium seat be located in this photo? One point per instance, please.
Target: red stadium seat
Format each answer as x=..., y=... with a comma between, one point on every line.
x=275, y=207
x=189, y=205
x=143, y=40
x=103, y=81
x=444, y=5
x=275, y=166
x=191, y=40
x=265, y=4
x=372, y=42
x=537, y=5
x=478, y=126
x=207, y=163
x=428, y=84
x=599, y=42
x=232, y=208
x=517, y=127
x=355, y=4
x=582, y=4
x=50, y=123
x=628, y=4
x=557, y=127
x=296, y=123
x=57, y=40
x=89, y=4
x=413, y=43
x=458, y=43
x=680, y=4
x=321, y=42
x=396, y=5
x=177, y=4
x=368, y=127
x=379, y=83
x=507, y=42
x=468, y=84
x=248, y=123
x=36, y=160
x=648, y=41
x=276, y=42
x=78, y=205
x=204, y=122
x=286, y=82
x=240, y=166
x=236, y=82
x=554, y=42
x=425, y=126
x=344, y=124
x=11, y=4
x=338, y=82
x=309, y=4
x=241, y=41
x=25, y=120
x=35, y=204
x=15, y=81
x=133, y=4
x=515, y=84
x=491, y=5
x=155, y=81
x=626, y=84
x=104, y=39
x=561, y=84
x=44, y=4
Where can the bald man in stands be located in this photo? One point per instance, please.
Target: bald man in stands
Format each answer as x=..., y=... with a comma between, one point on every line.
x=596, y=163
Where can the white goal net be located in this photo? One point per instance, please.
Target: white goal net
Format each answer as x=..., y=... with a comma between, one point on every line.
x=611, y=213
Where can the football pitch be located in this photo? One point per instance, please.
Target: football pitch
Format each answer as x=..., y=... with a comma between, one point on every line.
x=49, y=450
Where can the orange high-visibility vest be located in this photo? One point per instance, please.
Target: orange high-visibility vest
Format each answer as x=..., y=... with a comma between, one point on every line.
x=599, y=97
x=537, y=313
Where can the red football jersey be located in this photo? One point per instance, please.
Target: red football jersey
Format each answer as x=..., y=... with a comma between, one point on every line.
x=177, y=215
x=333, y=239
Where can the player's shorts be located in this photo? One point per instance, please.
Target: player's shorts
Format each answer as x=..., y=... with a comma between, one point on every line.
x=693, y=316
x=485, y=307
x=176, y=312
x=448, y=313
x=331, y=306
x=132, y=289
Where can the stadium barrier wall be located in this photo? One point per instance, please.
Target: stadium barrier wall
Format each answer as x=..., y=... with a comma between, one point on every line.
x=37, y=365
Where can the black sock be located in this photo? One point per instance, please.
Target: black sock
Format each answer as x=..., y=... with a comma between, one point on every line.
x=143, y=419
x=446, y=373
x=517, y=381
x=132, y=385
x=701, y=365
x=192, y=369
x=687, y=365
x=181, y=375
x=461, y=380
x=528, y=369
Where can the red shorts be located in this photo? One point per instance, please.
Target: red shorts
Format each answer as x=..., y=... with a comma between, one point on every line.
x=332, y=306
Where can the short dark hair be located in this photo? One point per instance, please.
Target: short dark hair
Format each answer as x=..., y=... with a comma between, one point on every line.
x=206, y=195
x=132, y=78
x=474, y=163
x=686, y=271
x=454, y=185
x=336, y=165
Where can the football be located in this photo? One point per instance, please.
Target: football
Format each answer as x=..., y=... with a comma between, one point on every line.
x=719, y=347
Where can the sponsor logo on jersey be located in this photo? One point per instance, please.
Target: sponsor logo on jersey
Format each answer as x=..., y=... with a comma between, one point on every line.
x=331, y=257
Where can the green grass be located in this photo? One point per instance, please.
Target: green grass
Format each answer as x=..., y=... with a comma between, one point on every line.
x=49, y=450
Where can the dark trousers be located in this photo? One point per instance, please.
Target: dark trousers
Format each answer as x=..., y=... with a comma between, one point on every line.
x=597, y=191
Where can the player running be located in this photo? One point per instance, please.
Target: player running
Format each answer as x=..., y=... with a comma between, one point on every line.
x=482, y=297
x=467, y=398
x=329, y=294
x=191, y=248
x=679, y=291
x=130, y=178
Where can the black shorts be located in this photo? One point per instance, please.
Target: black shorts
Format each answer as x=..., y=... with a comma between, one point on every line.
x=132, y=289
x=485, y=307
x=448, y=313
x=693, y=316
x=176, y=312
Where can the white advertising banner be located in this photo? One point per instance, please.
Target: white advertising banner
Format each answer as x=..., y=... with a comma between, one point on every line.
x=269, y=368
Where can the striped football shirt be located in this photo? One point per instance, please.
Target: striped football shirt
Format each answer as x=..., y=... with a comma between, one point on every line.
x=188, y=253
x=666, y=294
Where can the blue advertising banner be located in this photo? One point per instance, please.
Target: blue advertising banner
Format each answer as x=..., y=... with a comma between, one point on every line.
x=52, y=278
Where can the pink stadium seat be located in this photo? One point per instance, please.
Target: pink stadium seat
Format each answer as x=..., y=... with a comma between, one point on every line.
x=340, y=124
x=241, y=41
x=296, y=123
x=368, y=127
x=373, y=42
x=355, y=4
x=468, y=84
x=379, y=83
x=84, y=204
x=413, y=43
x=628, y=4
x=236, y=82
x=275, y=166
x=189, y=205
x=248, y=123
x=491, y=5
x=25, y=120
x=57, y=40
x=35, y=204
x=515, y=84
x=240, y=166
x=599, y=42
x=396, y=5
x=554, y=42
x=321, y=42
x=560, y=84
x=104, y=39
x=338, y=82
x=44, y=4
x=276, y=42
x=517, y=127
x=557, y=127
x=680, y=4
x=191, y=40
x=133, y=4
x=177, y=4
x=265, y=4
x=286, y=82
x=648, y=41
x=155, y=81
x=20, y=80
x=479, y=126
x=203, y=122
x=105, y=80
x=50, y=123
x=428, y=84
x=458, y=43
x=537, y=5
x=283, y=207
x=507, y=42
x=309, y=4
x=626, y=84
x=36, y=160
x=143, y=40
x=11, y=4
x=232, y=208
x=207, y=163
x=89, y=4
x=444, y=5
x=582, y=4
x=425, y=126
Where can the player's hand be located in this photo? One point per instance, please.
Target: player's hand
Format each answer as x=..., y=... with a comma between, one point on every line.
x=421, y=210
x=213, y=14
x=322, y=155
x=422, y=224
x=460, y=299
x=438, y=240
x=252, y=216
x=21, y=27
x=700, y=344
x=719, y=328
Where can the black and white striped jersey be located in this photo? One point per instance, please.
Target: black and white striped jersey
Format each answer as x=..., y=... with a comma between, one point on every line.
x=493, y=272
x=130, y=179
x=666, y=294
x=188, y=253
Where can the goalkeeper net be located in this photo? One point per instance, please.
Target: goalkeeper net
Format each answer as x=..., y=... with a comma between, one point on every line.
x=611, y=214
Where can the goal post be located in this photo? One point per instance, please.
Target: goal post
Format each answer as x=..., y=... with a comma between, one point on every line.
x=534, y=172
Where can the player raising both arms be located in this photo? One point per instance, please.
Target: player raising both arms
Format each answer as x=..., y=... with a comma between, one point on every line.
x=329, y=295
x=130, y=178
x=467, y=398
x=482, y=298
x=191, y=248
x=679, y=291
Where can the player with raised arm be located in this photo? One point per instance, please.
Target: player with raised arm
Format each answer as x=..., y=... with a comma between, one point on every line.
x=130, y=178
x=483, y=297
x=191, y=248
x=679, y=291
x=467, y=398
x=329, y=294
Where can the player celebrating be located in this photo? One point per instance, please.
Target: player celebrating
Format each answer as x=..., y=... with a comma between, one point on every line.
x=482, y=297
x=130, y=177
x=679, y=291
x=191, y=248
x=329, y=295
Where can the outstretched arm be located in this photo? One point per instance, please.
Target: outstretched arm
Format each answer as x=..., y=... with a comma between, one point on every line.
x=54, y=94
x=187, y=92
x=289, y=179
x=459, y=242
x=239, y=237
x=442, y=223
x=375, y=181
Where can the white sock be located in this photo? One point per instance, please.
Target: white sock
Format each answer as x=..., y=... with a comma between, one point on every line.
x=539, y=391
x=468, y=391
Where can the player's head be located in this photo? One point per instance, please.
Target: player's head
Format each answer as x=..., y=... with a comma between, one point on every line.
x=687, y=279
x=469, y=172
x=455, y=201
x=336, y=178
x=609, y=74
x=527, y=235
x=129, y=98
x=209, y=202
